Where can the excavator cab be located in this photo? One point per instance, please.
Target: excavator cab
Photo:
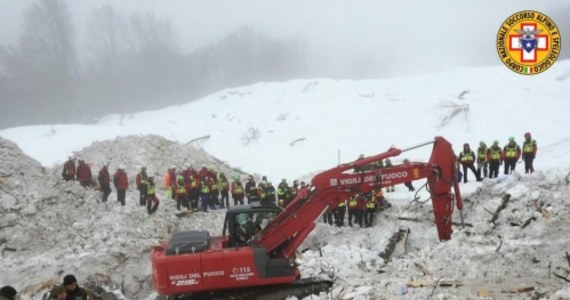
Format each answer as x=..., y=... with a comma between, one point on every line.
x=243, y=222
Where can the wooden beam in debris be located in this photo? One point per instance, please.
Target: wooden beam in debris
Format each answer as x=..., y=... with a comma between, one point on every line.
x=502, y=206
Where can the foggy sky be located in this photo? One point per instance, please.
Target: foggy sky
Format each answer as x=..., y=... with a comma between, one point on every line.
x=345, y=39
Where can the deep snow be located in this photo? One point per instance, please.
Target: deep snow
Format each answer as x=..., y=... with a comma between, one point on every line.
x=73, y=233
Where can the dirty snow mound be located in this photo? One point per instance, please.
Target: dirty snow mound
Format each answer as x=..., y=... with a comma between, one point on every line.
x=519, y=256
x=50, y=227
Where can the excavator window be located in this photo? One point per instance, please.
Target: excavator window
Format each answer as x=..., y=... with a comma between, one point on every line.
x=249, y=224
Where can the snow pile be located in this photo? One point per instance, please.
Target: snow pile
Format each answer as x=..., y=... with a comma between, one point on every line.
x=50, y=227
x=288, y=129
x=501, y=257
x=153, y=151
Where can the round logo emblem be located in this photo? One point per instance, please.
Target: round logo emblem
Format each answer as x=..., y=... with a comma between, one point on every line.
x=528, y=42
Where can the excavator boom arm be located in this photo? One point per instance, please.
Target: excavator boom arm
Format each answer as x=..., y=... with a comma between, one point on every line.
x=285, y=233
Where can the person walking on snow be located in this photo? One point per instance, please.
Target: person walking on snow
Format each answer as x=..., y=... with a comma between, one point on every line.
x=237, y=190
x=224, y=190
x=205, y=195
x=142, y=181
x=372, y=205
x=270, y=193
x=83, y=174
x=121, y=182
x=495, y=159
x=181, y=194
x=250, y=190
x=482, y=163
x=408, y=184
x=151, y=199
x=512, y=153
x=68, y=172
x=104, y=181
x=529, y=152
x=467, y=160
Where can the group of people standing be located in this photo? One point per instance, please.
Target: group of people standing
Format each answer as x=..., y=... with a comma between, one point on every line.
x=207, y=189
x=362, y=209
x=489, y=159
x=82, y=173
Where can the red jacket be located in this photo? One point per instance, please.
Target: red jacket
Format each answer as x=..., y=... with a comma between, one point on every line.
x=120, y=180
x=84, y=174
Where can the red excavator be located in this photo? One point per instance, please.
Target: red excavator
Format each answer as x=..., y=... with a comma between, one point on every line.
x=258, y=244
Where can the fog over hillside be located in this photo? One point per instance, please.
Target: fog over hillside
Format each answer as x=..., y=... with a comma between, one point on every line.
x=128, y=56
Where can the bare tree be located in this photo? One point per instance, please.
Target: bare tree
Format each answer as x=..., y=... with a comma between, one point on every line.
x=45, y=64
x=110, y=69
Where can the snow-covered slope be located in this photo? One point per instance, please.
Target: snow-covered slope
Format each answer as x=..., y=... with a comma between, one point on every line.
x=332, y=116
x=300, y=127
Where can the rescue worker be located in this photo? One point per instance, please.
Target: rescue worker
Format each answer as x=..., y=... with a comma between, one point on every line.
x=68, y=172
x=495, y=159
x=214, y=184
x=408, y=184
x=194, y=182
x=293, y=191
x=328, y=216
x=388, y=164
x=261, y=192
x=121, y=182
x=181, y=193
x=372, y=206
x=152, y=201
x=251, y=190
x=142, y=182
x=8, y=293
x=58, y=292
x=528, y=153
x=170, y=182
x=105, y=181
x=467, y=160
x=361, y=209
x=237, y=190
x=270, y=193
x=73, y=291
x=340, y=212
x=283, y=192
x=83, y=173
x=352, y=210
x=204, y=195
x=382, y=202
x=482, y=163
x=225, y=190
x=511, y=153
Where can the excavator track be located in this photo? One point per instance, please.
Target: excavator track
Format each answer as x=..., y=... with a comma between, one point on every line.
x=299, y=288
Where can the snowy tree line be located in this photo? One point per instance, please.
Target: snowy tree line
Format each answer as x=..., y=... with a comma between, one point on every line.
x=128, y=63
